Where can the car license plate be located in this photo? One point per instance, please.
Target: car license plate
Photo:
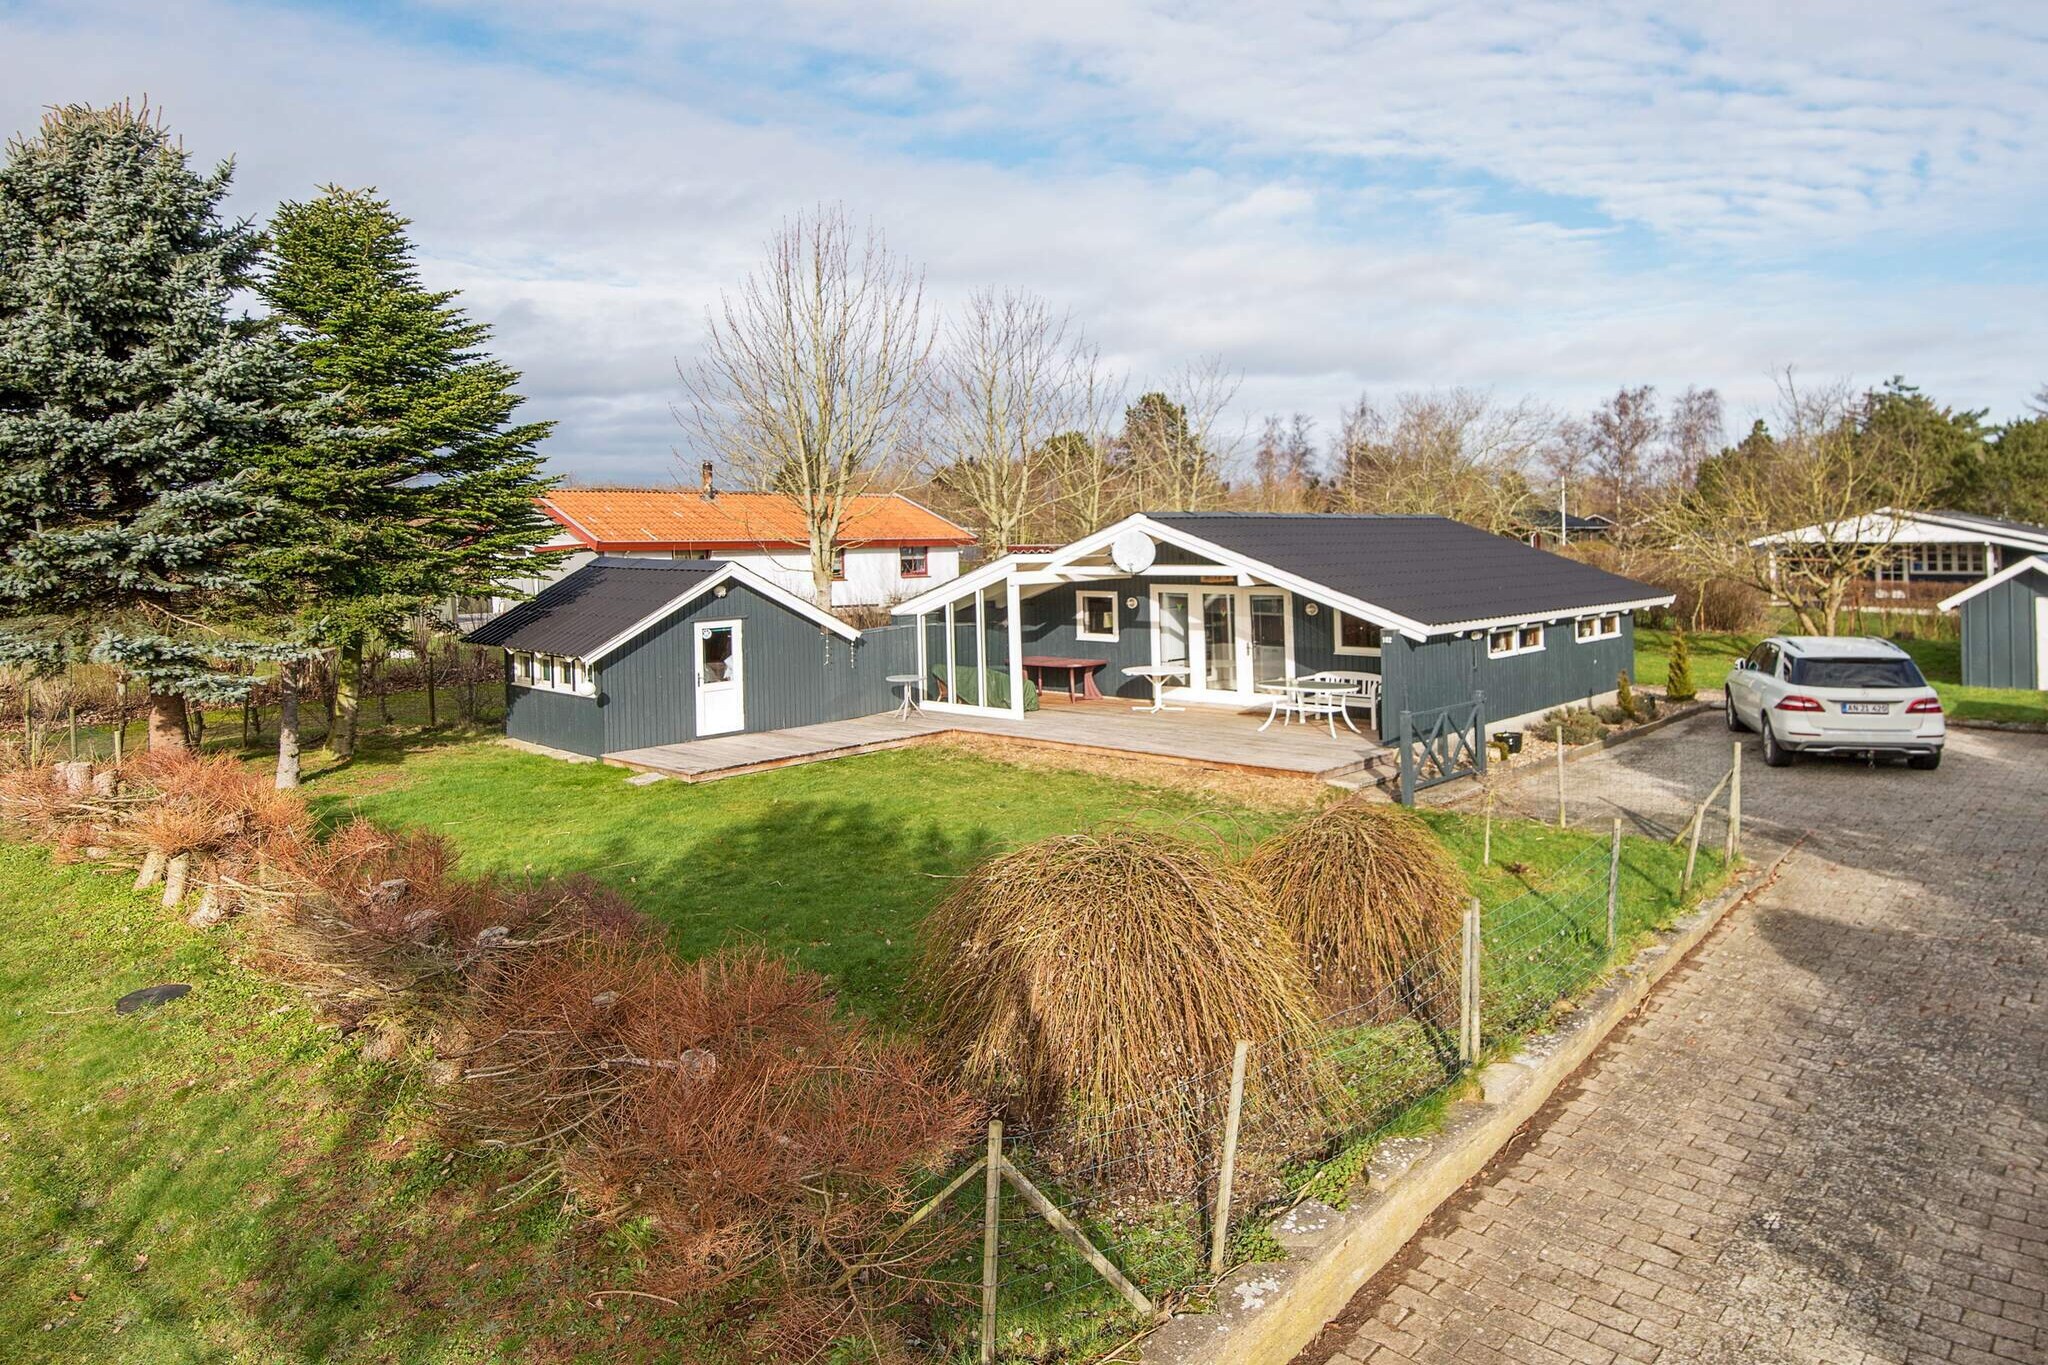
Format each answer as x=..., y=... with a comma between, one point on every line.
x=1866, y=708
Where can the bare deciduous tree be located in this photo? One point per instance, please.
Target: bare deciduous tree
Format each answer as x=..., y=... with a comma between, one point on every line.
x=1284, y=475
x=1820, y=473
x=1009, y=378
x=1622, y=441
x=1693, y=432
x=1454, y=452
x=809, y=371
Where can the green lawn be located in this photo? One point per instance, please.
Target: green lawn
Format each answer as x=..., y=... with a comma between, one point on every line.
x=835, y=863
x=1714, y=653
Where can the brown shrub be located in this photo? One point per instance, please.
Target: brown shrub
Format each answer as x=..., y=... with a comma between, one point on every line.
x=376, y=921
x=724, y=1102
x=1373, y=902
x=1098, y=982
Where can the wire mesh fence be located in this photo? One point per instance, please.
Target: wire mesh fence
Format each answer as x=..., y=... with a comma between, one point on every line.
x=1377, y=1069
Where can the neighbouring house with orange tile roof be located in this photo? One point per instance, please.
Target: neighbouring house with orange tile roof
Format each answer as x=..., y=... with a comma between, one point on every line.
x=889, y=548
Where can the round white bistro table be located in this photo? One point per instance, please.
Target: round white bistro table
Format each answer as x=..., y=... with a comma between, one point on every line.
x=908, y=682
x=1157, y=674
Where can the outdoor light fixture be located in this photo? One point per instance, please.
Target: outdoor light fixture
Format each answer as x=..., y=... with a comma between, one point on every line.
x=1311, y=608
x=1131, y=602
x=718, y=591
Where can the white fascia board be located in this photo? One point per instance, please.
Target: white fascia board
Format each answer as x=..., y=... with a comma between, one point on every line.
x=731, y=573
x=1968, y=531
x=571, y=525
x=1557, y=614
x=2010, y=571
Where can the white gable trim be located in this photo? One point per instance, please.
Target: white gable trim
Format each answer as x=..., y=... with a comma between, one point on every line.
x=1889, y=526
x=2010, y=571
x=731, y=573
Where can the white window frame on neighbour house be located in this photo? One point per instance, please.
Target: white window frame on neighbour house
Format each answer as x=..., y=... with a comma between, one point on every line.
x=1081, y=631
x=913, y=561
x=1587, y=629
x=1340, y=620
x=1518, y=640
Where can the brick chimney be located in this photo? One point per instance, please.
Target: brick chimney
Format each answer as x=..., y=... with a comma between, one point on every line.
x=708, y=492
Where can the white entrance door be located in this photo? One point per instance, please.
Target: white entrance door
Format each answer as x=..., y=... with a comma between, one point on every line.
x=721, y=691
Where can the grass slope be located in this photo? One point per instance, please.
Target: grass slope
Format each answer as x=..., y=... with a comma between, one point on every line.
x=222, y=1179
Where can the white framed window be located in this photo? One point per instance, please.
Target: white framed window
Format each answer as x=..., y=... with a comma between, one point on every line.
x=1597, y=627
x=1508, y=641
x=914, y=561
x=1948, y=559
x=1356, y=637
x=554, y=673
x=1095, y=616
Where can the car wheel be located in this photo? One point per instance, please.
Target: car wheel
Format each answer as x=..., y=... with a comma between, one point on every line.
x=1734, y=721
x=1924, y=762
x=1776, y=755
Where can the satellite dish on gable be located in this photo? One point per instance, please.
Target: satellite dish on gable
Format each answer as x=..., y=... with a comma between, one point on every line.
x=1133, y=551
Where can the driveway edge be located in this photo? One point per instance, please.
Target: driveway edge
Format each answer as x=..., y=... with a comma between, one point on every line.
x=1269, y=1311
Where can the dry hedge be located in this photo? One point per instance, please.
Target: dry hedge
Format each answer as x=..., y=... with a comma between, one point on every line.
x=1098, y=981
x=1373, y=902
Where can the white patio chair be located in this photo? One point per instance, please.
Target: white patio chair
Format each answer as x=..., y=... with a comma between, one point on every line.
x=1367, y=695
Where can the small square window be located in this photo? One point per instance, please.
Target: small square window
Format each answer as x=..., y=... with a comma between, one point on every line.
x=547, y=669
x=1500, y=642
x=1532, y=637
x=1355, y=636
x=913, y=561
x=1095, y=617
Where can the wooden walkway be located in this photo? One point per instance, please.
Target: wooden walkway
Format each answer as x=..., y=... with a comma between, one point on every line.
x=1209, y=737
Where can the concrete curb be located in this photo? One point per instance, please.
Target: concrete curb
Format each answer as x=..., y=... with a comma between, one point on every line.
x=1268, y=1312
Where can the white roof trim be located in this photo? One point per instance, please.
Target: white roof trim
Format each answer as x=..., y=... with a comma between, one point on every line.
x=1888, y=525
x=1985, y=584
x=731, y=573
x=1353, y=606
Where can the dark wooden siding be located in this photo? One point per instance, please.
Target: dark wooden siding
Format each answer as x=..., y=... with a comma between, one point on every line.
x=1315, y=643
x=1447, y=670
x=557, y=720
x=2000, y=628
x=1051, y=627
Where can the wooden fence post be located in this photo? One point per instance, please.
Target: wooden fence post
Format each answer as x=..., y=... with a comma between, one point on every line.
x=1560, y=774
x=991, y=1230
x=1613, y=882
x=1486, y=840
x=1468, y=986
x=1733, y=846
x=1219, y=1232
x=1407, y=758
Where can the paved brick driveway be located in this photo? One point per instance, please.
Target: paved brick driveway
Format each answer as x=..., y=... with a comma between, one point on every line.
x=1822, y=1139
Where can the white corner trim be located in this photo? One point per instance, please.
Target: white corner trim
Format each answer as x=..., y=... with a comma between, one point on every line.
x=731, y=573
x=2005, y=574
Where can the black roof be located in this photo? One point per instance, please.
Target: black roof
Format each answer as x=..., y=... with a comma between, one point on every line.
x=594, y=604
x=1545, y=519
x=1429, y=569
x=2025, y=528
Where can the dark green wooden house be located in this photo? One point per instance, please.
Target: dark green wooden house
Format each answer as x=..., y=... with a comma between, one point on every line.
x=630, y=653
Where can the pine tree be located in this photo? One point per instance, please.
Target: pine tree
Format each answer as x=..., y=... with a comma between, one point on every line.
x=1678, y=684
x=129, y=404
x=415, y=485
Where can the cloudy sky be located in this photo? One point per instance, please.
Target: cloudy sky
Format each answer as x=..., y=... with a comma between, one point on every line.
x=1540, y=198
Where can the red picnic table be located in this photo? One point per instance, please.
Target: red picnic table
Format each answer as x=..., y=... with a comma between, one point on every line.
x=1080, y=674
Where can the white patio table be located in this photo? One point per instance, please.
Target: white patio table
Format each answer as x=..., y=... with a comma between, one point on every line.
x=1157, y=674
x=1303, y=698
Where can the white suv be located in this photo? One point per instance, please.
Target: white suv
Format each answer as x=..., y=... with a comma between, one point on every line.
x=1818, y=694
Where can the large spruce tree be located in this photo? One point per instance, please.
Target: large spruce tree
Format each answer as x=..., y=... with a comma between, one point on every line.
x=129, y=404
x=415, y=485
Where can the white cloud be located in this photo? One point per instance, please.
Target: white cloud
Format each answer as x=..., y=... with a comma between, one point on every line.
x=1578, y=196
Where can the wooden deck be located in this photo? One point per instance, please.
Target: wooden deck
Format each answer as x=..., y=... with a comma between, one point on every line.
x=1209, y=737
